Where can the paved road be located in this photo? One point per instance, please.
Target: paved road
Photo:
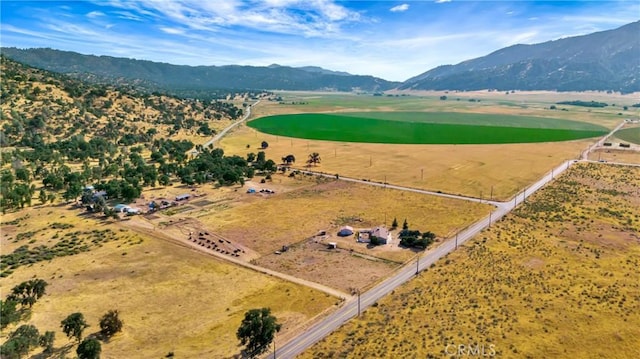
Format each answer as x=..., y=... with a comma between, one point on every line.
x=600, y=142
x=222, y=133
x=351, y=307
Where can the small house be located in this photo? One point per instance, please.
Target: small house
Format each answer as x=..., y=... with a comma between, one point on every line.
x=183, y=197
x=251, y=190
x=332, y=245
x=345, y=231
x=132, y=211
x=381, y=234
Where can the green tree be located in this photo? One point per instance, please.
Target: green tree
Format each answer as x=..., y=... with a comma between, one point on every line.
x=8, y=312
x=164, y=180
x=46, y=341
x=73, y=191
x=74, y=325
x=405, y=224
x=110, y=323
x=27, y=293
x=90, y=348
x=314, y=159
x=257, y=330
x=21, y=341
x=43, y=196
x=395, y=223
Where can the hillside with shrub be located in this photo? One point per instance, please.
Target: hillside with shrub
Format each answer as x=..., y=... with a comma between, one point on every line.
x=59, y=134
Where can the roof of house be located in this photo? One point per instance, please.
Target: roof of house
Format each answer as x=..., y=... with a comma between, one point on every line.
x=120, y=206
x=380, y=232
x=348, y=228
x=183, y=196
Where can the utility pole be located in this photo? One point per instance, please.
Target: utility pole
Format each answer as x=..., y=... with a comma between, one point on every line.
x=385, y=181
x=421, y=174
x=490, y=213
x=370, y=161
x=491, y=196
x=524, y=195
x=457, y=240
x=417, y=264
x=358, y=302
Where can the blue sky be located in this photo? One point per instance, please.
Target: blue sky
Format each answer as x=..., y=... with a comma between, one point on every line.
x=394, y=40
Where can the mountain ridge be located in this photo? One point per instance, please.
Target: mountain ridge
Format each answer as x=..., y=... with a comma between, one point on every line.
x=169, y=76
x=605, y=60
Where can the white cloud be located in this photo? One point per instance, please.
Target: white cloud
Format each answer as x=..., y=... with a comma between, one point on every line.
x=442, y=1
x=400, y=8
x=95, y=14
x=311, y=18
x=171, y=30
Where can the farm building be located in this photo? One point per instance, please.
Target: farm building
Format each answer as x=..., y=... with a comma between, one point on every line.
x=183, y=197
x=381, y=233
x=345, y=231
x=121, y=207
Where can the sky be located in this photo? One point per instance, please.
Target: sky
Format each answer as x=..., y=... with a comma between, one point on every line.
x=393, y=40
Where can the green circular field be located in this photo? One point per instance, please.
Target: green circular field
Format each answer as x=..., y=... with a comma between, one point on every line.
x=630, y=135
x=425, y=128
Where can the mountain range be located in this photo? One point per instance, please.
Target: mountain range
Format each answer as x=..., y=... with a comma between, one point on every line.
x=181, y=77
x=602, y=61
x=607, y=60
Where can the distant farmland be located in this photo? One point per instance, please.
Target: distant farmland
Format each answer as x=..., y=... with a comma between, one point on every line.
x=425, y=128
x=630, y=134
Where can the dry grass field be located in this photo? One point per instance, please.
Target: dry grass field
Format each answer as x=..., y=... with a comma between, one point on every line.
x=470, y=170
x=268, y=222
x=556, y=278
x=616, y=155
x=171, y=299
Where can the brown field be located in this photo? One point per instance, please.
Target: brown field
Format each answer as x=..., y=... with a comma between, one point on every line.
x=470, y=170
x=266, y=223
x=339, y=268
x=615, y=155
x=556, y=278
x=171, y=299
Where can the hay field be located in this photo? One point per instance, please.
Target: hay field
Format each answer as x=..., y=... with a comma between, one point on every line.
x=326, y=204
x=556, y=278
x=171, y=299
x=459, y=169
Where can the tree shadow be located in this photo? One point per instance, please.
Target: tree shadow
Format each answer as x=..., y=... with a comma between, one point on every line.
x=61, y=352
